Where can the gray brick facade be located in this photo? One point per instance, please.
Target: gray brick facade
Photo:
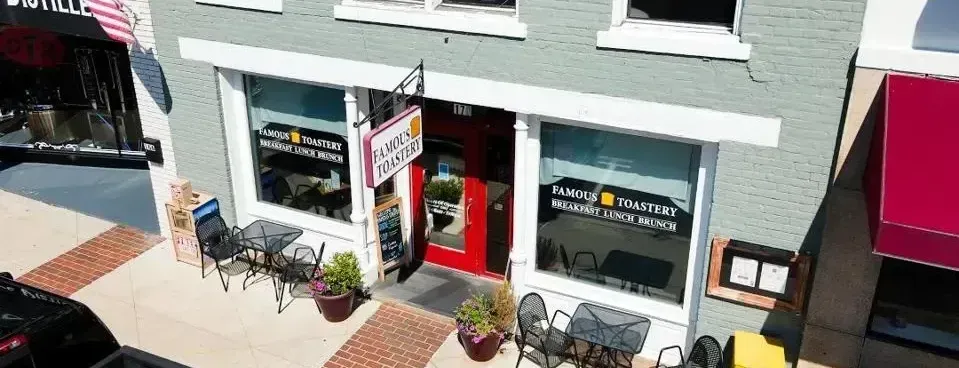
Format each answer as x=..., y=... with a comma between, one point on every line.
x=797, y=71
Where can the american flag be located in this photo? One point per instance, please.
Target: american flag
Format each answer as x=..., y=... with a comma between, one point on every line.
x=110, y=15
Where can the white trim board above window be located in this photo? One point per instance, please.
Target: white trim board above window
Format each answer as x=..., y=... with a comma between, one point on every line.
x=677, y=121
x=653, y=26
x=433, y=15
x=264, y=5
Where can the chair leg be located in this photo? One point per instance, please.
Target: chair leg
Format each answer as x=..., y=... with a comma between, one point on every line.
x=226, y=286
x=520, y=358
x=279, y=306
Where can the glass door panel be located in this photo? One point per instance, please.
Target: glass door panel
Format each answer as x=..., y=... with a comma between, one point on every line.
x=444, y=182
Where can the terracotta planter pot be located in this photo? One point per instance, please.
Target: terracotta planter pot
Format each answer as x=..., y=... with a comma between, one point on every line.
x=482, y=351
x=335, y=308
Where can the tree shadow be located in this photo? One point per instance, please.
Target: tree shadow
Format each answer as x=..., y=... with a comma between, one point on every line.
x=145, y=64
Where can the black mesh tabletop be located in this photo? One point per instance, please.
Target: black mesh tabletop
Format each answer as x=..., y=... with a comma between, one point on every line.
x=266, y=236
x=609, y=328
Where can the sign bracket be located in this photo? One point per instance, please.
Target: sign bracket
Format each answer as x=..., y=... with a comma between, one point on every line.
x=413, y=80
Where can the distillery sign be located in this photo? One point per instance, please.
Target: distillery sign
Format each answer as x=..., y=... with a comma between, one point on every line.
x=75, y=7
x=393, y=145
x=71, y=17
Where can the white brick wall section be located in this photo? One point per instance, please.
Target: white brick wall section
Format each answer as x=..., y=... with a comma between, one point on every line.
x=148, y=84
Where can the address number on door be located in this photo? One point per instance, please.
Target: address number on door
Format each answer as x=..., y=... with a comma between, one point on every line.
x=463, y=110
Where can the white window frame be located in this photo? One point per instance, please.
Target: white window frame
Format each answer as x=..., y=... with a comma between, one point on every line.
x=242, y=171
x=433, y=14
x=673, y=37
x=685, y=314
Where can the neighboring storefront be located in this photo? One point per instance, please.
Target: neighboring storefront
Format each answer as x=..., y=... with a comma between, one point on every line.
x=896, y=253
x=66, y=88
x=536, y=165
x=885, y=289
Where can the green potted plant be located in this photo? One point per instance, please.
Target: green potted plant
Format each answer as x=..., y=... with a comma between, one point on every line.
x=483, y=321
x=334, y=285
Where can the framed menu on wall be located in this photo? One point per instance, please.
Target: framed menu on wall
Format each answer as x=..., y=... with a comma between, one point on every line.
x=392, y=249
x=757, y=275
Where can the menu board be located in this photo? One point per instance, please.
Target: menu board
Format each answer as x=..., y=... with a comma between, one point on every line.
x=758, y=275
x=390, y=241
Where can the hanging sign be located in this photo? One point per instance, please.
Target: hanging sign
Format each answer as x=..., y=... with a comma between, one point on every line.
x=392, y=146
x=390, y=242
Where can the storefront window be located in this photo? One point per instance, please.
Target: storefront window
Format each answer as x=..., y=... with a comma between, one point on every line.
x=616, y=210
x=299, y=146
x=66, y=93
x=917, y=303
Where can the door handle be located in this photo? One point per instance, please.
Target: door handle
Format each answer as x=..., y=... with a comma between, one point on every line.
x=469, y=204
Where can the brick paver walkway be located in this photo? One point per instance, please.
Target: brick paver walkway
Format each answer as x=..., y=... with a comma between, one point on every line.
x=80, y=266
x=396, y=336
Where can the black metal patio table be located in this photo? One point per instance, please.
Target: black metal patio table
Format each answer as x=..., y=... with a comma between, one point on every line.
x=269, y=238
x=612, y=330
x=637, y=269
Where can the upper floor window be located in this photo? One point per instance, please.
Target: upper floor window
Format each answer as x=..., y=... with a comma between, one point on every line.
x=479, y=5
x=721, y=13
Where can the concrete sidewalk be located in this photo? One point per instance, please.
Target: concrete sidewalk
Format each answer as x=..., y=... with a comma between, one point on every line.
x=152, y=302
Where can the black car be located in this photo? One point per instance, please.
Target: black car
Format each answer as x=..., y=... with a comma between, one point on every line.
x=39, y=329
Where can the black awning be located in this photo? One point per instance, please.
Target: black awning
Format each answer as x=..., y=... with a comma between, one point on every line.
x=61, y=16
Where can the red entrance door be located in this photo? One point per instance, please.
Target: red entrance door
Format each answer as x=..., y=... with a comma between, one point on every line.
x=462, y=186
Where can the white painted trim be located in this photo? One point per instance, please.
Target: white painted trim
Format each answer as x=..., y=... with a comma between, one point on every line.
x=636, y=115
x=449, y=20
x=275, y=6
x=669, y=40
x=908, y=60
x=708, y=156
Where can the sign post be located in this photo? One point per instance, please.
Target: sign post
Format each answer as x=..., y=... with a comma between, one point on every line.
x=391, y=247
x=393, y=145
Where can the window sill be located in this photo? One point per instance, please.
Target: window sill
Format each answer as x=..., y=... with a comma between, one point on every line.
x=672, y=41
x=466, y=22
x=275, y=6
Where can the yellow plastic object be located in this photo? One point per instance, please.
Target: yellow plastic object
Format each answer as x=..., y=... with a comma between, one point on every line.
x=753, y=350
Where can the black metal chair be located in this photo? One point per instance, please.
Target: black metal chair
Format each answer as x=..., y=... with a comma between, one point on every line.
x=213, y=236
x=572, y=268
x=284, y=195
x=706, y=353
x=299, y=269
x=550, y=344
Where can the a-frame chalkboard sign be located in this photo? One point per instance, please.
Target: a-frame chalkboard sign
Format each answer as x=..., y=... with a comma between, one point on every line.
x=391, y=247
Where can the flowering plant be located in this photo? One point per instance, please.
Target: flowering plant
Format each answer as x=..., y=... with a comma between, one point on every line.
x=482, y=315
x=338, y=276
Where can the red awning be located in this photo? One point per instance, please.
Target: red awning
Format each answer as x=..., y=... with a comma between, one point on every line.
x=912, y=180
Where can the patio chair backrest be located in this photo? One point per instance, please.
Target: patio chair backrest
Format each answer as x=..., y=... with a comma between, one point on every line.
x=706, y=353
x=211, y=231
x=281, y=190
x=531, y=311
x=566, y=265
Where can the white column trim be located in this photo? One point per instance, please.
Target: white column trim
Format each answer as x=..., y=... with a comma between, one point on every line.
x=358, y=214
x=518, y=256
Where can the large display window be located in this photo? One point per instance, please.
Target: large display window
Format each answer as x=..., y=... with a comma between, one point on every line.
x=917, y=304
x=299, y=148
x=616, y=210
x=66, y=93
